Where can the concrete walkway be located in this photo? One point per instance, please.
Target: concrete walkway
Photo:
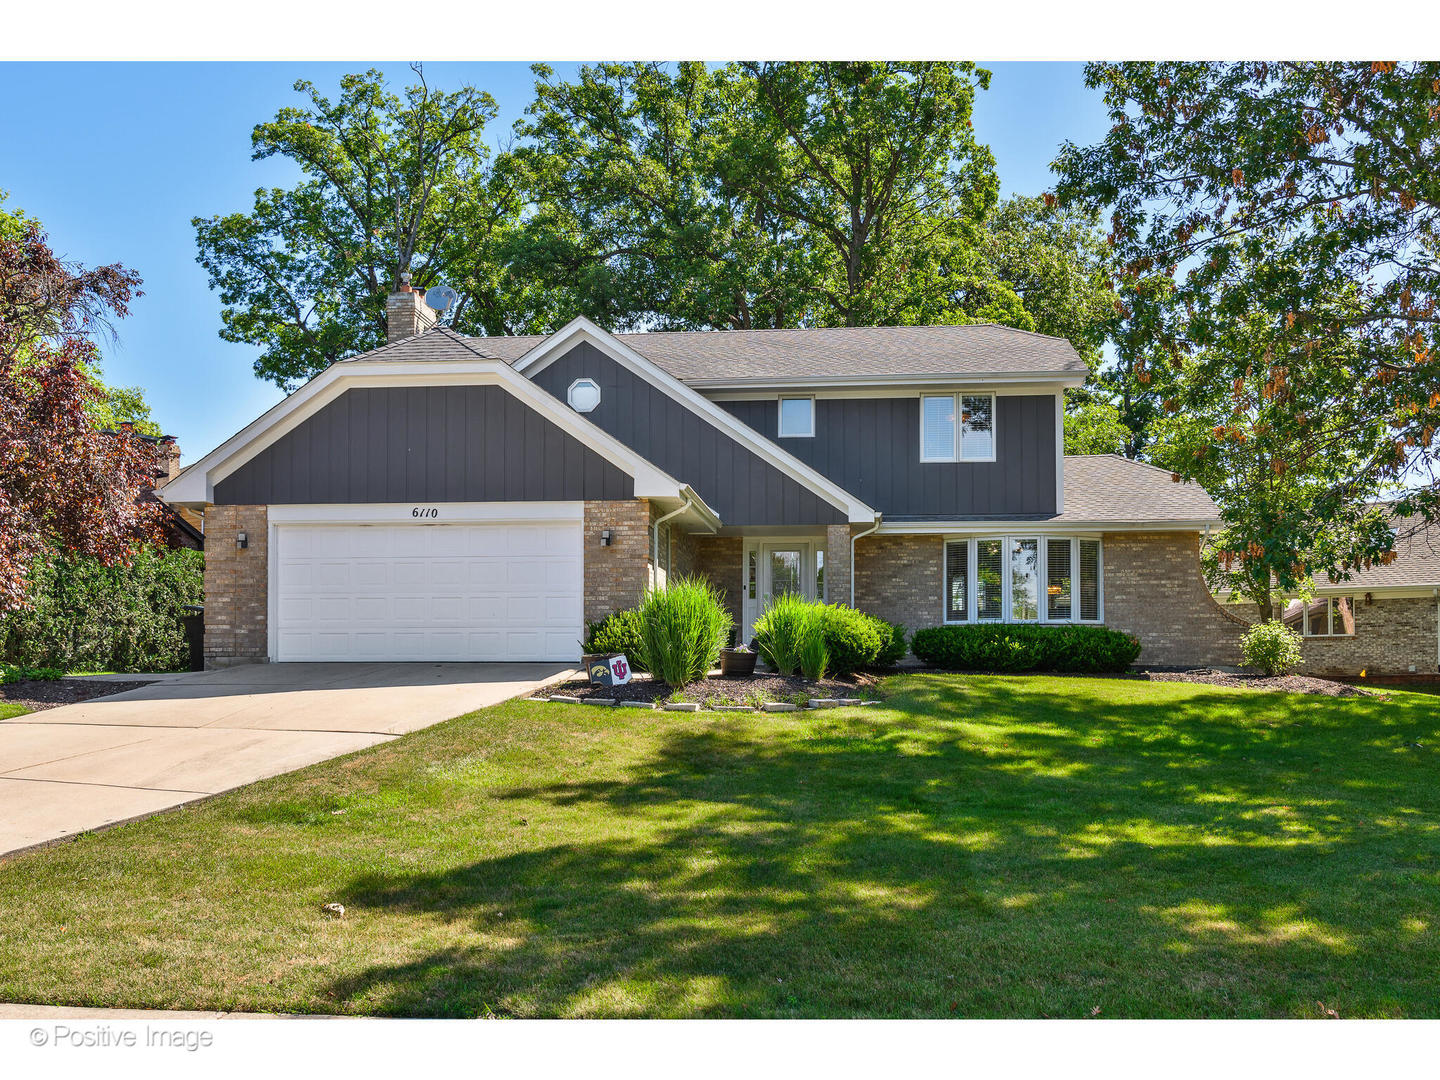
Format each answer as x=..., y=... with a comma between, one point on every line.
x=80, y=767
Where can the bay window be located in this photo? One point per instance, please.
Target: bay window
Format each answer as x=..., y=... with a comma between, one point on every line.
x=957, y=427
x=1022, y=579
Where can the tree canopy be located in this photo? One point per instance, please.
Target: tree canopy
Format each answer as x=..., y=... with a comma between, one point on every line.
x=393, y=185
x=64, y=484
x=656, y=196
x=1304, y=195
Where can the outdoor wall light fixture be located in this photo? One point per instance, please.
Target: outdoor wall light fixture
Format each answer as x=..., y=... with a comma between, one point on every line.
x=605, y=538
x=241, y=540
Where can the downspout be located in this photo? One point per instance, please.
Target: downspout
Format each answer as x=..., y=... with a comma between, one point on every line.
x=655, y=540
x=857, y=536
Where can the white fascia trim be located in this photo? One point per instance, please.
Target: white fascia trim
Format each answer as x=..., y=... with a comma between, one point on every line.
x=582, y=329
x=829, y=392
x=1032, y=528
x=959, y=379
x=1350, y=588
x=197, y=484
x=451, y=513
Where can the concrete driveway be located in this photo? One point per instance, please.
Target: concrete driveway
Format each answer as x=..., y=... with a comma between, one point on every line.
x=183, y=737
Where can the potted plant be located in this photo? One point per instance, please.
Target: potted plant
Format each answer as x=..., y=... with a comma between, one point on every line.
x=739, y=660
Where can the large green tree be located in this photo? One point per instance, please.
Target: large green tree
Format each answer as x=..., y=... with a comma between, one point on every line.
x=1288, y=453
x=391, y=185
x=1275, y=191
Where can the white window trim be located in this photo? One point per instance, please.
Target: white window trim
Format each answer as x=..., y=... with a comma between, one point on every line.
x=570, y=394
x=1306, y=632
x=955, y=457
x=780, y=413
x=970, y=540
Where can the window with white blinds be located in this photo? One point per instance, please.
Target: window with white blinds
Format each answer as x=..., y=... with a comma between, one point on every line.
x=957, y=427
x=1023, y=579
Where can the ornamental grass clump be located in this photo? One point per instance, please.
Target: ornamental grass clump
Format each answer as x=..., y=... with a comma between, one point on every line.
x=782, y=631
x=1271, y=647
x=682, y=629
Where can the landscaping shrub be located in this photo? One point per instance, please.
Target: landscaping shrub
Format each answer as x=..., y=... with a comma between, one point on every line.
x=853, y=639
x=105, y=618
x=10, y=673
x=894, y=648
x=780, y=631
x=1003, y=647
x=1271, y=647
x=814, y=655
x=682, y=629
x=618, y=632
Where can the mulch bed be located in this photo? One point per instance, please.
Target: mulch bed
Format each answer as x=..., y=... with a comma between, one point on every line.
x=1293, y=684
x=723, y=690
x=37, y=694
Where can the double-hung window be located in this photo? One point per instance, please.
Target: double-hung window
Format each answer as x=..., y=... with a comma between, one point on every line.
x=957, y=427
x=1022, y=579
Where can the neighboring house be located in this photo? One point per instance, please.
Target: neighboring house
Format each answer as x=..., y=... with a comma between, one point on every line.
x=1384, y=620
x=453, y=498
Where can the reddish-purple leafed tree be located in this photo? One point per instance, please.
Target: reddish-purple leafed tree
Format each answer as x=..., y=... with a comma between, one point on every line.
x=64, y=485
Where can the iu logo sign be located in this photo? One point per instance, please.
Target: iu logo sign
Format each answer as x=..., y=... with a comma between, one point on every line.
x=612, y=672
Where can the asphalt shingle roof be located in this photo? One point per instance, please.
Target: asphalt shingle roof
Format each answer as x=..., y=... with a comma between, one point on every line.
x=840, y=352
x=1417, y=559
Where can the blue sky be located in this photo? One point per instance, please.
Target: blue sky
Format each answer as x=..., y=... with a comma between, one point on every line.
x=116, y=158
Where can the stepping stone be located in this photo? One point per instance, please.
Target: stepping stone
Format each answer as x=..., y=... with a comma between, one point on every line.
x=824, y=702
x=565, y=699
x=779, y=706
x=732, y=708
x=682, y=706
x=599, y=701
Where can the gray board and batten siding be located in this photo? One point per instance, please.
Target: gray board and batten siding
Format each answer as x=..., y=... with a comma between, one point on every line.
x=871, y=448
x=739, y=485
x=425, y=444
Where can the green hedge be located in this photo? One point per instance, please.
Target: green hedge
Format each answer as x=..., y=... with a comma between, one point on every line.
x=1002, y=647
x=853, y=639
x=106, y=618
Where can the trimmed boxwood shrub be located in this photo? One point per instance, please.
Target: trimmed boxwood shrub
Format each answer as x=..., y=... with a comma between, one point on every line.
x=1007, y=647
x=852, y=638
x=618, y=632
x=894, y=648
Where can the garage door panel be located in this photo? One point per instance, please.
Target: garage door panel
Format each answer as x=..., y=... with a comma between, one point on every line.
x=429, y=592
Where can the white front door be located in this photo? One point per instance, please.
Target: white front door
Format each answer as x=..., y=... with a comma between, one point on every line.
x=491, y=591
x=777, y=567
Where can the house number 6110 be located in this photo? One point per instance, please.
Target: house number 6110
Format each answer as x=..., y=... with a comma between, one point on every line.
x=425, y=511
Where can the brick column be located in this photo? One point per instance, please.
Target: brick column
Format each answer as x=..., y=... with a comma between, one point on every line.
x=236, y=585
x=616, y=576
x=837, y=564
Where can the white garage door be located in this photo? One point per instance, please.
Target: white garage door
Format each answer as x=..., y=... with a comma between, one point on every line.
x=497, y=591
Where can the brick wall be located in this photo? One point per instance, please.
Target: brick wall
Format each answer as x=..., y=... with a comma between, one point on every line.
x=898, y=578
x=1154, y=590
x=837, y=564
x=721, y=559
x=1390, y=635
x=617, y=575
x=236, y=583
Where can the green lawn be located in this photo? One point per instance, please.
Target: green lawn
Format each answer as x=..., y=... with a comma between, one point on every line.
x=11, y=708
x=980, y=847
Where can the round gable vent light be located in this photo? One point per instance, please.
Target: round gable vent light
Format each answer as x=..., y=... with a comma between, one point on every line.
x=584, y=395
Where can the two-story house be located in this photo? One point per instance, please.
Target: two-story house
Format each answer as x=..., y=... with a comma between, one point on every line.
x=454, y=498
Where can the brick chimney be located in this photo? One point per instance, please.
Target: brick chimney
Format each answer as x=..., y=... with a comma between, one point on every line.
x=406, y=313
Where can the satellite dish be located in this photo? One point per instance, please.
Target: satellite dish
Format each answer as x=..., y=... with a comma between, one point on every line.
x=441, y=297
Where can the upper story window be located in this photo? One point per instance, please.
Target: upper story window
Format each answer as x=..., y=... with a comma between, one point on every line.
x=797, y=417
x=957, y=427
x=583, y=395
